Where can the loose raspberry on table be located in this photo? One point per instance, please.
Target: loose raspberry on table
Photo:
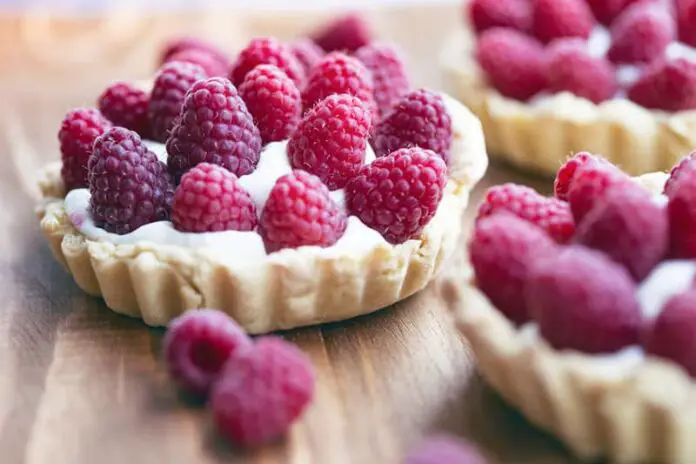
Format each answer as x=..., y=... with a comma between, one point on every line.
x=267, y=50
x=502, y=249
x=331, y=140
x=307, y=53
x=389, y=76
x=273, y=100
x=688, y=160
x=514, y=63
x=607, y=10
x=590, y=183
x=553, y=19
x=583, y=300
x=261, y=393
x=346, y=33
x=79, y=129
x=300, y=212
x=209, y=62
x=668, y=85
x=180, y=44
x=198, y=344
x=214, y=127
x=444, y=449
x=397, y=195
x=487, y=14
x=566, y=173
x=126, y=105
x=167, y=97
x=641, y=33
x=129, y=186
x=681, y=210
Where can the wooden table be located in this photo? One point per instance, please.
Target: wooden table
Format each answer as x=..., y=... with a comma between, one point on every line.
x=79, y=384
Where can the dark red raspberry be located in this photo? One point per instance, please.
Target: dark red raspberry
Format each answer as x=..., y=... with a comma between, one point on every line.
x=566, y=173
x=502, y=249
x=180, y=44
x=682, y=213
x=688, y=160
x=129, y=186
x=443, y=449
x=487, y=14
x=389, y=76
x=346, y=33
x=307, y=53
x=198, y=344
x=331, y=140
x=261, y=393
x=126, y=105
x=397, y=195
x=210, y=199
x=267, y=50
x=167, y=97
x=215, y=127
x=641, y=33
x=300, y=212
x=568, y=18
x=419, y=119
x=607, y=10
x=210, y=63
x=668, y=85
x=687, y=19
x=584, y=301
x=513, y=62
x=79, y=129
x=551, y=214
x=590, y=183
x=273, y=100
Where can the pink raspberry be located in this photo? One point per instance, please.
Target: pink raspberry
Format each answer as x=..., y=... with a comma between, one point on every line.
x=566, y=173
x=198, y=344
x=129, y=186
x=273, y=100
x=681, y=210
x=209, y=62
x=307, y=53
x=267, y=50
x=502, y=249
x=180, y=44
x=167, y=97
x=607, y=10
x=215, y=127
x=79, y=129
x=688, y=160
x=397, y=195
x=419, y=119
x=262, y=392
x=300, y=212
x=389, y=76
x=567, y=18
x=443, y=449
x=590, y=183
x=487, y=14
x=687, y=19
x=550, y=214
x=513, y=62
x=668, y=85
x=346, y=33
x=641, y=33
x=126, y=105
x=583, y=301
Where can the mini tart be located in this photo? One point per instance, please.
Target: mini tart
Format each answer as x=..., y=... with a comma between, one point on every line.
x=538, y=138
x=287, y=289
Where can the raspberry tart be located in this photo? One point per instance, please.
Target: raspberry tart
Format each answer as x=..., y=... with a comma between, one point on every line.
x=548, y=78
x=581, y=312
x=260, y=192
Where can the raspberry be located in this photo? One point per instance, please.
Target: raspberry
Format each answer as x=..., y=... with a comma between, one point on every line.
x=346, y=33
x=513, y=62
x=564, y=176
x=555, y=19
x=210, y=64
x=273, y=100
x=551, y=214
x=267, y=50
x=487, y=14
x=331, y=139
x=79, y=129
x=584, y=301
x=210, y=199
x=668, y=85
x=607, y=10
x=168, y=92
x=126, y=105
x=300, y=212
x=261, y=393
x=502, y=249
x=389, y=76
x=681, y=210
x=197, y=345
x=687, y=19
x=398, y=194
x=419, y=119
x=214, y=127
x=688, y=160
x=192, y=43
x=572, y=68
x=307, y=53
x=590, y=183
x=444, y=449
x=129, y=185
x=641, y=33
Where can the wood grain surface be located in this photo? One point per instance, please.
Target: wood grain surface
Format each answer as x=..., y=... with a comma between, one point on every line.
x=79, y=384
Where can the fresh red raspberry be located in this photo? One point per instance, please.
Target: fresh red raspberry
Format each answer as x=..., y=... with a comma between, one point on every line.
x=300, y=212
x=198, y=344
x=443, y=449
x=267, y=50
x=307, y=53
x=397, y=195
x=210, y=199
x=273, y=100
x=420, y=119
x=572, y=68
x=210, y=63
x=687, y=19
x=79, y=129
x=590, y=183
x=487, y=14
x=688, y=160
x=346, y=33
x=180, y=44
x=568, y=18
x=167, y=97
x=214, y=127
x=389, y=76
x=668, y=85
x=129, y=186
x=566, y=173
x=681, y=210
x=584, y=301
x=126, y=105
x=551, y=214
x=502, y=249
x=513, y=62
x=607, y=10
x=641, y=33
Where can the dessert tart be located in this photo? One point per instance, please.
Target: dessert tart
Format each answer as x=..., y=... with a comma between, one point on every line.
x=582, y=309
x=262, y=198
x=548, y=79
